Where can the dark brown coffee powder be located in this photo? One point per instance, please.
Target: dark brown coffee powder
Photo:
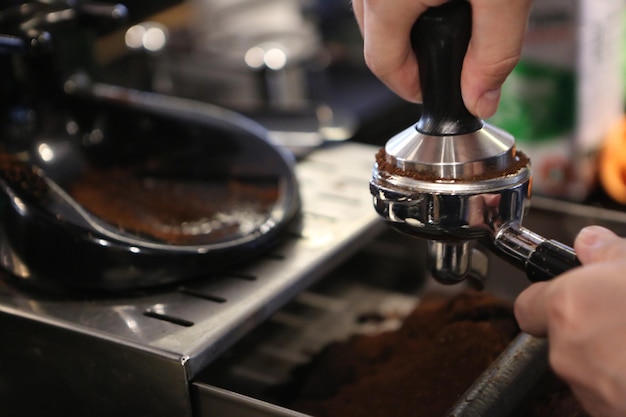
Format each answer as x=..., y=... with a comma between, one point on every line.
x=388, y=168
x=174, y=210
x=21, y=175
x=421, y=369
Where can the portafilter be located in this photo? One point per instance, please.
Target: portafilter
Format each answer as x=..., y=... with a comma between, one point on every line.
x=454, y=179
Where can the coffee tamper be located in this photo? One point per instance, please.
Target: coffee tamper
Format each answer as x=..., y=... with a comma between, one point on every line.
x=454, y=179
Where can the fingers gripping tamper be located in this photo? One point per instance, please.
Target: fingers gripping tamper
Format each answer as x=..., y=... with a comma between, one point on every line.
x=454, y=179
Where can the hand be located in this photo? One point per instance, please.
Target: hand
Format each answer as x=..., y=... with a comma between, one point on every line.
x=583, y=314
x=498, y=28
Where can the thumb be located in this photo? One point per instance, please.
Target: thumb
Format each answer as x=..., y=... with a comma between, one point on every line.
x=596, y=244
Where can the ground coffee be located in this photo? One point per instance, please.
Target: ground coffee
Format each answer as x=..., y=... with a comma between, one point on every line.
x=176, y=210
x=422, y=368
x=385, y=167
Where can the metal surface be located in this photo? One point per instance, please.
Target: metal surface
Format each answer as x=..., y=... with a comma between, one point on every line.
x=187, y=327
x=348, y=301
x=508, y=381
x=486, y=150
x=450, y=210
x=245, y=54
x=213, y=401
x=451, y=213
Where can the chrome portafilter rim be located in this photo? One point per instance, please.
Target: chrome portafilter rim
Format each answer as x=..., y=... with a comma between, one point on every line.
x=454, y=219
x=455, y=186
x=451, y=209
x=452, y=214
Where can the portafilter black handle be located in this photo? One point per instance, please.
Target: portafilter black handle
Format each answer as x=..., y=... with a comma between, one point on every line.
x=542, y=259
x=440, y=38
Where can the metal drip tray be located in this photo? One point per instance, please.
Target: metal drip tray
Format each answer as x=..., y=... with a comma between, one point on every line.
x=345, y=303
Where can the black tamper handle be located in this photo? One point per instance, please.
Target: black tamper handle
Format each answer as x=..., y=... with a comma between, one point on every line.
x=440, y=38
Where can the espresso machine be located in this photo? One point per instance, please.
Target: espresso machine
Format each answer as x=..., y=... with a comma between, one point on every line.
x=103, y=321
x=106, y=319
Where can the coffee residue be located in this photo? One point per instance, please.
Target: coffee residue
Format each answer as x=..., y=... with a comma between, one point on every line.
x=21, y=175
x=176, y=211
x=385, y=167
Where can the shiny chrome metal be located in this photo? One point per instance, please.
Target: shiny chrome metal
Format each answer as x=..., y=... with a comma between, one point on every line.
x=457, y=156
x=453, y=212
x=448, y=210
x=479, y=268
x=451, y=261
x=507, y=382
x=452, y=190
x=244, y=55
x=517, y=242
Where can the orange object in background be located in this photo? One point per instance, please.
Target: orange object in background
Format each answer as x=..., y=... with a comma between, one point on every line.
x=612, y=163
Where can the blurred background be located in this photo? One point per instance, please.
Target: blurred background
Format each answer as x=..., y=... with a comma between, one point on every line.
x=297, y=66
x=292, y=65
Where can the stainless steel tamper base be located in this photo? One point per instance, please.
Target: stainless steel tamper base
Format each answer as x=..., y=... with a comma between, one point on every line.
x=452, y=214
x=465, y=156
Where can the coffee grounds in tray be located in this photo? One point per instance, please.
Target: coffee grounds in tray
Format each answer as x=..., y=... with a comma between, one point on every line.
x=21, y=175
x=174, y=210
x=422, y=368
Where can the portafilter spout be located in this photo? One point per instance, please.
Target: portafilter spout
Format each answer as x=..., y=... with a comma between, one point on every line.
x=453, y=178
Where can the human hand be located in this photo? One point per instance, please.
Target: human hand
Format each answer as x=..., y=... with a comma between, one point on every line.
x=498, y=28
x=583, y=314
